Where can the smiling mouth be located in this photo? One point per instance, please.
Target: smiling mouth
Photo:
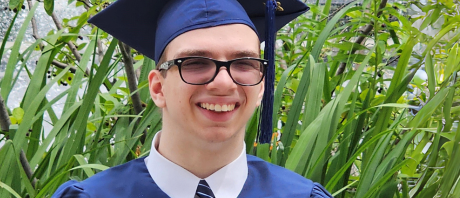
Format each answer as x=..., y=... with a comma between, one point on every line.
x=218, y=107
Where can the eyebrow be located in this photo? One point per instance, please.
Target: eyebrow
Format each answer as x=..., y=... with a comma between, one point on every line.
x=186, y=53
x=204, y=53
x=240, y=54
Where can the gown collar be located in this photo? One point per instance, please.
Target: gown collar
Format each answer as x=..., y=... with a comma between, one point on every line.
x=176, y=181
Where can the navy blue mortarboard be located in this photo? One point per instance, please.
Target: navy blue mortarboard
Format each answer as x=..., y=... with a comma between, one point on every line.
x=149, y=25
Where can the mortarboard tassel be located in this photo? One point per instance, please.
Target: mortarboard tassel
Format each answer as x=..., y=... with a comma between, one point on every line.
x=265, y=122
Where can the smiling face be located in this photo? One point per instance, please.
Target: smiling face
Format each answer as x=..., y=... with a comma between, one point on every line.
x=215, y=112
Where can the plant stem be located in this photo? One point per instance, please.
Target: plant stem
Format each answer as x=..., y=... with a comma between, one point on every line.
x=34, y=26
x=55, y=62
x=100, y=52
x=4, y=118
x=26, y=167
x=86, y=4
x=367, y=29
x=132, y=81
x=63, y=66
x=5, y=123
x=72, y=47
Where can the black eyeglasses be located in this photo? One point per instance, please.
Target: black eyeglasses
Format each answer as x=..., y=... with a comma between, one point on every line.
x=202, y=70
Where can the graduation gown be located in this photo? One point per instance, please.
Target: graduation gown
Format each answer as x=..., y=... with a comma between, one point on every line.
x=132, y=179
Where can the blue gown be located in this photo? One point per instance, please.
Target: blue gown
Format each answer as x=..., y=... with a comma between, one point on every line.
x=132, y=179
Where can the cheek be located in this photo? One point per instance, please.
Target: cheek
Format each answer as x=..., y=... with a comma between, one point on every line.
x=254, y=94
x=178, y=95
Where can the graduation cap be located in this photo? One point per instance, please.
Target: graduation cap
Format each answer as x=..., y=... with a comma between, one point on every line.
x=149, y=25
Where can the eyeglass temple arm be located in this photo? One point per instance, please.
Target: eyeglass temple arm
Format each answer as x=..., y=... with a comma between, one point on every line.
x=166, y=65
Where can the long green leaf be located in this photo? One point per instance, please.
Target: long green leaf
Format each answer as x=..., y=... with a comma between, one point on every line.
x=293, y=117
x=8, y=167
x=53, y=133
x=374, y=189
x=335, y=179
x=317, y=161
x=7, y=35
x=251, y=132
x=13, y=60
x=147, y=66
x=77, y=79
x=76, y=139
x=294, y=111
x=313, y=100
x=396, y=89
x=452, y=170
x=429, y=68
x=20, y=139
x=327, y=118
x=95, y=166
x=340, y=160
x=425, y=113
x=49, y=6
x=24, y=179
x=279, y=91
x=9, y=189
x=439, y=36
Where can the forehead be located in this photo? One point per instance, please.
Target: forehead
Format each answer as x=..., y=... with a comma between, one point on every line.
x=219, y=42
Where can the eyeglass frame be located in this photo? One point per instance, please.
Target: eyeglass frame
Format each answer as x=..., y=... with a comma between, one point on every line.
x=178, y=62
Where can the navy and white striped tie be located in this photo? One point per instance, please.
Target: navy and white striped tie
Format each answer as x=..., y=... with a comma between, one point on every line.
x=203, y=190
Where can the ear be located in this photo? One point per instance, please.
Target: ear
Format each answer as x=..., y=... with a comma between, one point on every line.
x=261, y=92
x=156, y=88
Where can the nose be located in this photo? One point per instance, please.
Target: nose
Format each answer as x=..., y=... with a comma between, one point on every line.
x=222, y=83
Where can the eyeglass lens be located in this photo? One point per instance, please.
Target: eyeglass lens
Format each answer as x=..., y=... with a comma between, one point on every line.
x=202, y=70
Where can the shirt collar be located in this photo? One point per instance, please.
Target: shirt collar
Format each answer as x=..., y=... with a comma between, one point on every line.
x=176, y=181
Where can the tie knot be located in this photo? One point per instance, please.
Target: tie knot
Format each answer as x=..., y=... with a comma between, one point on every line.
x=203, y=190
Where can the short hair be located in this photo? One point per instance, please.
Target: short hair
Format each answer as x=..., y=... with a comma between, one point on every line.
x=161, y=61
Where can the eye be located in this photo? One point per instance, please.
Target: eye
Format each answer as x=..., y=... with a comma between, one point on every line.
x=196, y=62
x=197, y=65
x=246, y=65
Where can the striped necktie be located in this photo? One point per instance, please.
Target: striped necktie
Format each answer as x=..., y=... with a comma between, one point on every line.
x=203, y=190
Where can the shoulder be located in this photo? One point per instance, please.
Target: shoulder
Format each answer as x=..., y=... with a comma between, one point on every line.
x=70, y=189
x=119, y=181
x=277, y=181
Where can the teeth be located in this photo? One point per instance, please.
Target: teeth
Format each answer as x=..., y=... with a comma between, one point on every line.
x=218, y=107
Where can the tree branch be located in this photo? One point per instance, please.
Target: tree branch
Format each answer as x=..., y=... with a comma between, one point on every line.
x=5, y=123
x=4, y=117
x=55, y=62
x=100, y=52
x=34, y=26
x=132, y=82
x=26, y=167
x=72, y=47
x=367, y=29
x=63, y=66
x=336, y=11
x=85, y=3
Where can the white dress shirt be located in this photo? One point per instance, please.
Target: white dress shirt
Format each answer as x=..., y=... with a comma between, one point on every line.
x=178, y=182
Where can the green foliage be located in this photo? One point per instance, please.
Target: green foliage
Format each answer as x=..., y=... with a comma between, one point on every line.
x=362, y=142
x=49, y=6
x=353, y=116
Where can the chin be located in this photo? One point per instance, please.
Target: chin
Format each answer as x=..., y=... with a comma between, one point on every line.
x=220, y=135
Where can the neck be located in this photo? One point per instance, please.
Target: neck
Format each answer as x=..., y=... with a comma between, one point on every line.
x=201, y=158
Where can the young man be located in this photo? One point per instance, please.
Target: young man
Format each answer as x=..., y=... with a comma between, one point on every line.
x=208, y=82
